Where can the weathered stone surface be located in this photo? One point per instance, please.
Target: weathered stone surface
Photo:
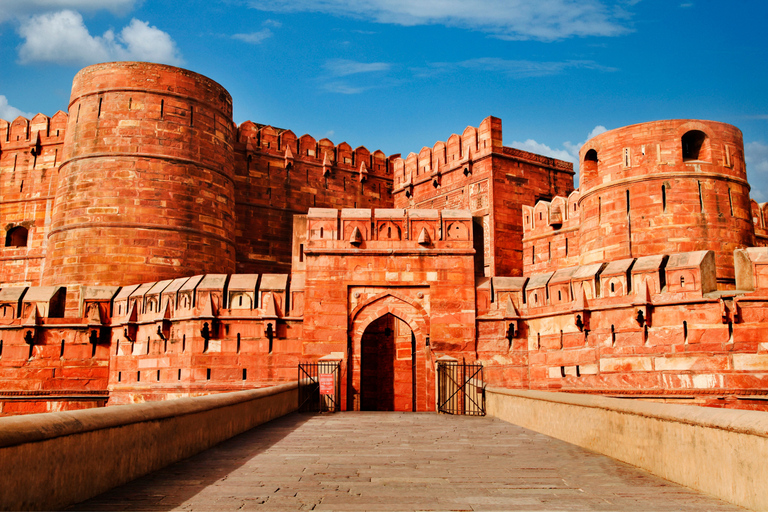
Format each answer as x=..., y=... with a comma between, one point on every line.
x=482, y=252
x=421, y=462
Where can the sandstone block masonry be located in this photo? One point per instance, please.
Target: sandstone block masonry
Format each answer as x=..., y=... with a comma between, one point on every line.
x=154, y=249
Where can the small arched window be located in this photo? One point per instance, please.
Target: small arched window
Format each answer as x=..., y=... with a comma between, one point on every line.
x=16, y=237
x=695, y=145
x=589, y=165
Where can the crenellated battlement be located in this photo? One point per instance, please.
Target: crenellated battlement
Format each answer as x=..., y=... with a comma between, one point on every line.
x=29, y=133
x=458, y=153
x=252, y=249
x=387, y=228
x=475, y=172
x=278, y=142
x=551, y=233
x=659, y=278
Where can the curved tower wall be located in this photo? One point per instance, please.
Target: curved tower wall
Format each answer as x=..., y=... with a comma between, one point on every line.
x=145, y=190
x=665, y=187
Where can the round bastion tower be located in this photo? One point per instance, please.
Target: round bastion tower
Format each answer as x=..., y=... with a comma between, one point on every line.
x=665, y=187
x=146, y=184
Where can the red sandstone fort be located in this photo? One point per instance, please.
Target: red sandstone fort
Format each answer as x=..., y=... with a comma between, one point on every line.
x=154, y=249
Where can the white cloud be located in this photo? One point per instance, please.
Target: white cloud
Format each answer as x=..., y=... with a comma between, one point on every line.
x=569, y=152
x=542, y=149
x=508, y=19
x=597, y=130
x=10, y=113
x=254, y=37
x=62, y=38
x=18, y=8
x=756, y=156
x=511, y=68
x=343, y=88
x=344, y=67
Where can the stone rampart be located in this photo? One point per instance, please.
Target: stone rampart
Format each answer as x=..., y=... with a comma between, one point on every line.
x=675, y=186
x=719, y=452
x=72, y=456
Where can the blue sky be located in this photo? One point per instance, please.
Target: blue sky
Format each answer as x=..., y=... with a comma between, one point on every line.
x=397, y=75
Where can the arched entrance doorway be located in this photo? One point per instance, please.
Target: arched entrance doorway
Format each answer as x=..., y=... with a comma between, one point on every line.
x=388, y=360
x=390, y=364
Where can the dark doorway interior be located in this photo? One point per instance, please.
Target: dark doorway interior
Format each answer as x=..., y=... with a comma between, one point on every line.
x=478, y=238
x=388, y=365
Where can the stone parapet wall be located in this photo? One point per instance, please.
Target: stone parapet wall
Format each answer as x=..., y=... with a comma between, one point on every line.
x=679, y=443
x=80, y=454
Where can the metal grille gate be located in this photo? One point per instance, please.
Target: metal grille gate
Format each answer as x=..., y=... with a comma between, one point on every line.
x=460, y=388
x=319, y=386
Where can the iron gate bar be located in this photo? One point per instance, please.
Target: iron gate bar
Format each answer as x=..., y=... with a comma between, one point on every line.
x=310, y=399
x=472, y=400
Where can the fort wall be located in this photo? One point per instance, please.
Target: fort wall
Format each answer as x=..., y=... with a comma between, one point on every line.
x=30, y=153
x=145, y=187
x=279, y=175
x=155, y=250
x=675, y=186
x=474, y=171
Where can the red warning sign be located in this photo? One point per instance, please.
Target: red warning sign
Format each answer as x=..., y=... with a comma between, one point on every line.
x=326, y=383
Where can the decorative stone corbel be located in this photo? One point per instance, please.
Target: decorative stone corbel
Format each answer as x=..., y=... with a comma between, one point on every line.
x=436, y=174
x=424, y=238
x=643, y=306
x=730, y=311
x=131, y=325
x=356, y=238
x=581, y=312
x=164, y=319
x=269, y=316
x=467, y=163
x=288, y=158
x=37, y=148
x=408, y=186
x=326, y=165
x=97, y=332
x=363, y=172
x=513, y=319
x=31, y=325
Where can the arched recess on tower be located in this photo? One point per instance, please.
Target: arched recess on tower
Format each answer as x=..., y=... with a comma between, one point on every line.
x=390, y=370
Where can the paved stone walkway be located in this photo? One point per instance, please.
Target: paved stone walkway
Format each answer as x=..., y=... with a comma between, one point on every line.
x=399, y=461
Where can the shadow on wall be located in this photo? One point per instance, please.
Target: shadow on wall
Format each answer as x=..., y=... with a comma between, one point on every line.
x=170, y=487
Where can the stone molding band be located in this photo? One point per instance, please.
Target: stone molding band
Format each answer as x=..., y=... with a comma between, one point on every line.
x=389, y=252
x=661, y=176
x=152, y=92
x=148, y=156
x=151, y=227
